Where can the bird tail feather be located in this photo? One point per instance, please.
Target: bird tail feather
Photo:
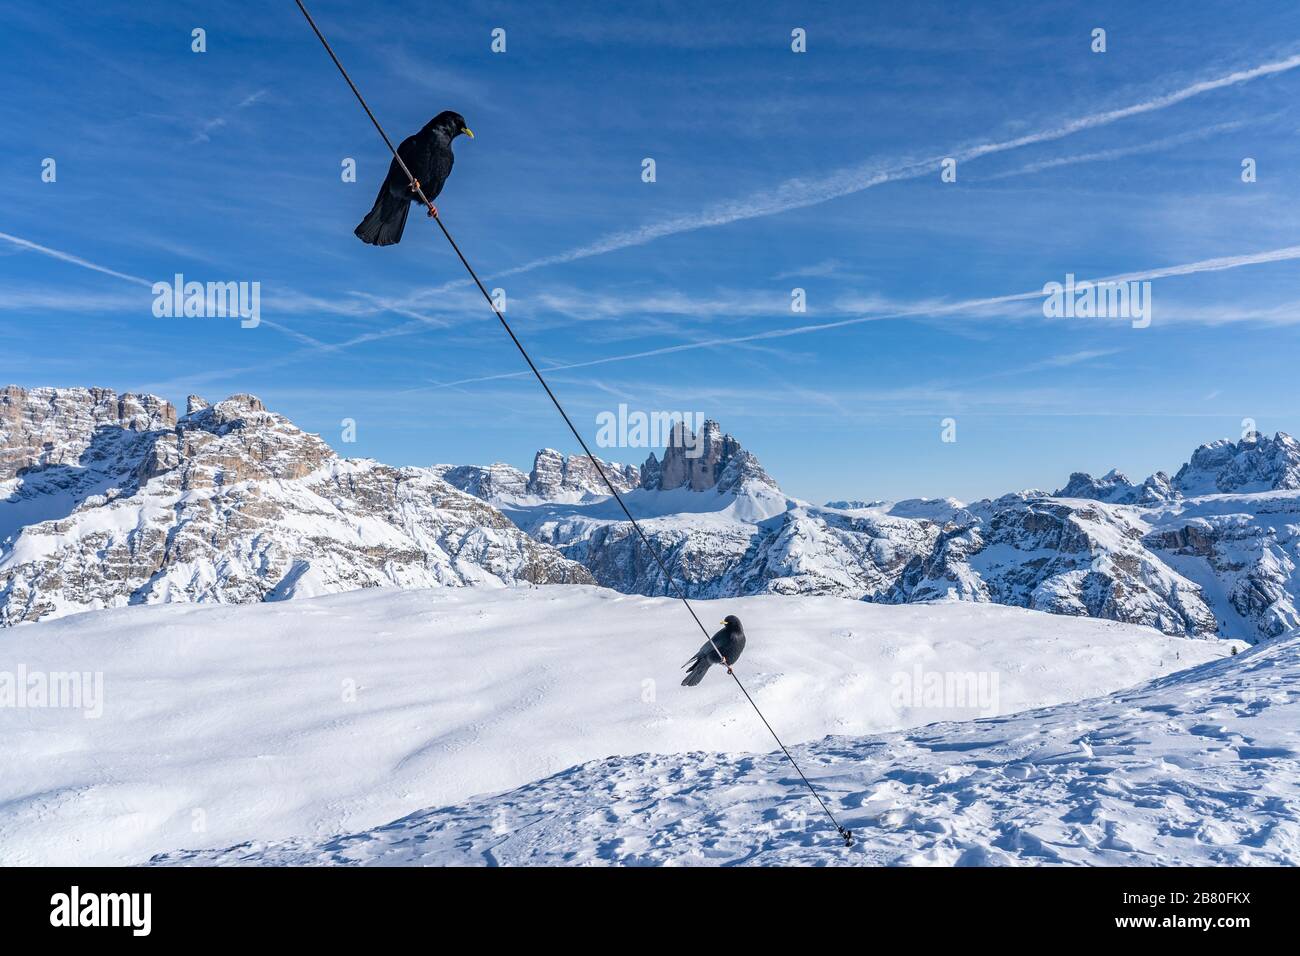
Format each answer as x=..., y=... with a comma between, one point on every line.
x=385, y=222
x=699, y=666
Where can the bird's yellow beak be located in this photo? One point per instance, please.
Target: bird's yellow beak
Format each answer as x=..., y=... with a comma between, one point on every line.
x=467, y=131
x=722, y=622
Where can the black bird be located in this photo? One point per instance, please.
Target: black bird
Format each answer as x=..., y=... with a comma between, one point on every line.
x=428, y=155
x=730, y=641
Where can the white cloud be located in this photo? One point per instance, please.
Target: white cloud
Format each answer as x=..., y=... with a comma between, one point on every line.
x=925, y=311
x=208, y=126
x=800, y=193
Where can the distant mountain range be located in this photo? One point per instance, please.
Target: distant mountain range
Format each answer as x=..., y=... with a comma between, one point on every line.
x=108, y=500
x=1211, y=551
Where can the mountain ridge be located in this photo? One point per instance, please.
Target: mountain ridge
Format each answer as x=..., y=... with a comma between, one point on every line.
x=1158, y=553
x=109, y=499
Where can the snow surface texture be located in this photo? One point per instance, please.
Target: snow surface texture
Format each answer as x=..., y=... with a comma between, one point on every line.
x=1200, y=767
x=330, y=715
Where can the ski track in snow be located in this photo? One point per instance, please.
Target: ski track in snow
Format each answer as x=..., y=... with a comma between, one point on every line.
x=1196, y=768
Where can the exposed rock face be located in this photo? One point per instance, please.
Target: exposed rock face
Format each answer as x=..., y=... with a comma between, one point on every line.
x=109, y=500
x=1112, y=486
x=1251, y=557
x=488, y=482
x=721, y=463
x=744, y=536
x=554, y=477
x=1251, y=465
x=56, y=426
x=1047, y=555
x=553, y=474
x=796, y=552
x=1156, y=489
x=119, y=503
x=1115, y=488
x=1226, y=564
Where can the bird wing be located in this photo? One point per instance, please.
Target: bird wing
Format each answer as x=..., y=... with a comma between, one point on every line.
x=705, y=653
x=442, y=161
x=720, y=642
x=413, y=151
x=709, y=650
x=430, y=158
x=397, y=182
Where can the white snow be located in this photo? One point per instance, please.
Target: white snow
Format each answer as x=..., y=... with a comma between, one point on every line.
x=1199, y=768
x=266, y=722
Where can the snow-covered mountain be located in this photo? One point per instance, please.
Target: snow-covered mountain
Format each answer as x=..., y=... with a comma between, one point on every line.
x=108, y=500
x=1213, y=550
x=1081, y=558
x=723, y=526
x=555, y=477
x=1256, y=463
x=219, y=724
x=1200, y=768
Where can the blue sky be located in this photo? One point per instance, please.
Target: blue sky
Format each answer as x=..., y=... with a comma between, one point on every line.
x=774, y=170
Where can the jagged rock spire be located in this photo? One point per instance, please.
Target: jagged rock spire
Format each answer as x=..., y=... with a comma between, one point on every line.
x=710, y=459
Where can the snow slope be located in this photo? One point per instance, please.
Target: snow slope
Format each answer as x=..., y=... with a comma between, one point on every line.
x=226, y=723
x=1200, y=767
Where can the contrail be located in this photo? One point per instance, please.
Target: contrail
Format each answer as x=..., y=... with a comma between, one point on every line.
x=800, y=193
x=966, y=305
x=1104, y=155
x=789, y=195
x=141, y=281
x=74, y=260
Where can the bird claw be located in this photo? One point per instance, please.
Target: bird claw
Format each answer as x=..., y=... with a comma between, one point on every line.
x=433, y=211
x=415, y=185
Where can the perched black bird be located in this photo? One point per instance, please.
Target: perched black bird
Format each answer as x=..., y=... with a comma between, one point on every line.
x=428, y=155
x=730, y=641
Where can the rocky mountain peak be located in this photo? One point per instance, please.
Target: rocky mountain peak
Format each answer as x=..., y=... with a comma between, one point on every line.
x=238, y=439
x=109, y=500
x=1114, y=487
x=1110, y=487
x=1256, y=463
x=554, y=474
x=711, y=459
x=554, y=477
x=42, y=427
x=488, y=482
